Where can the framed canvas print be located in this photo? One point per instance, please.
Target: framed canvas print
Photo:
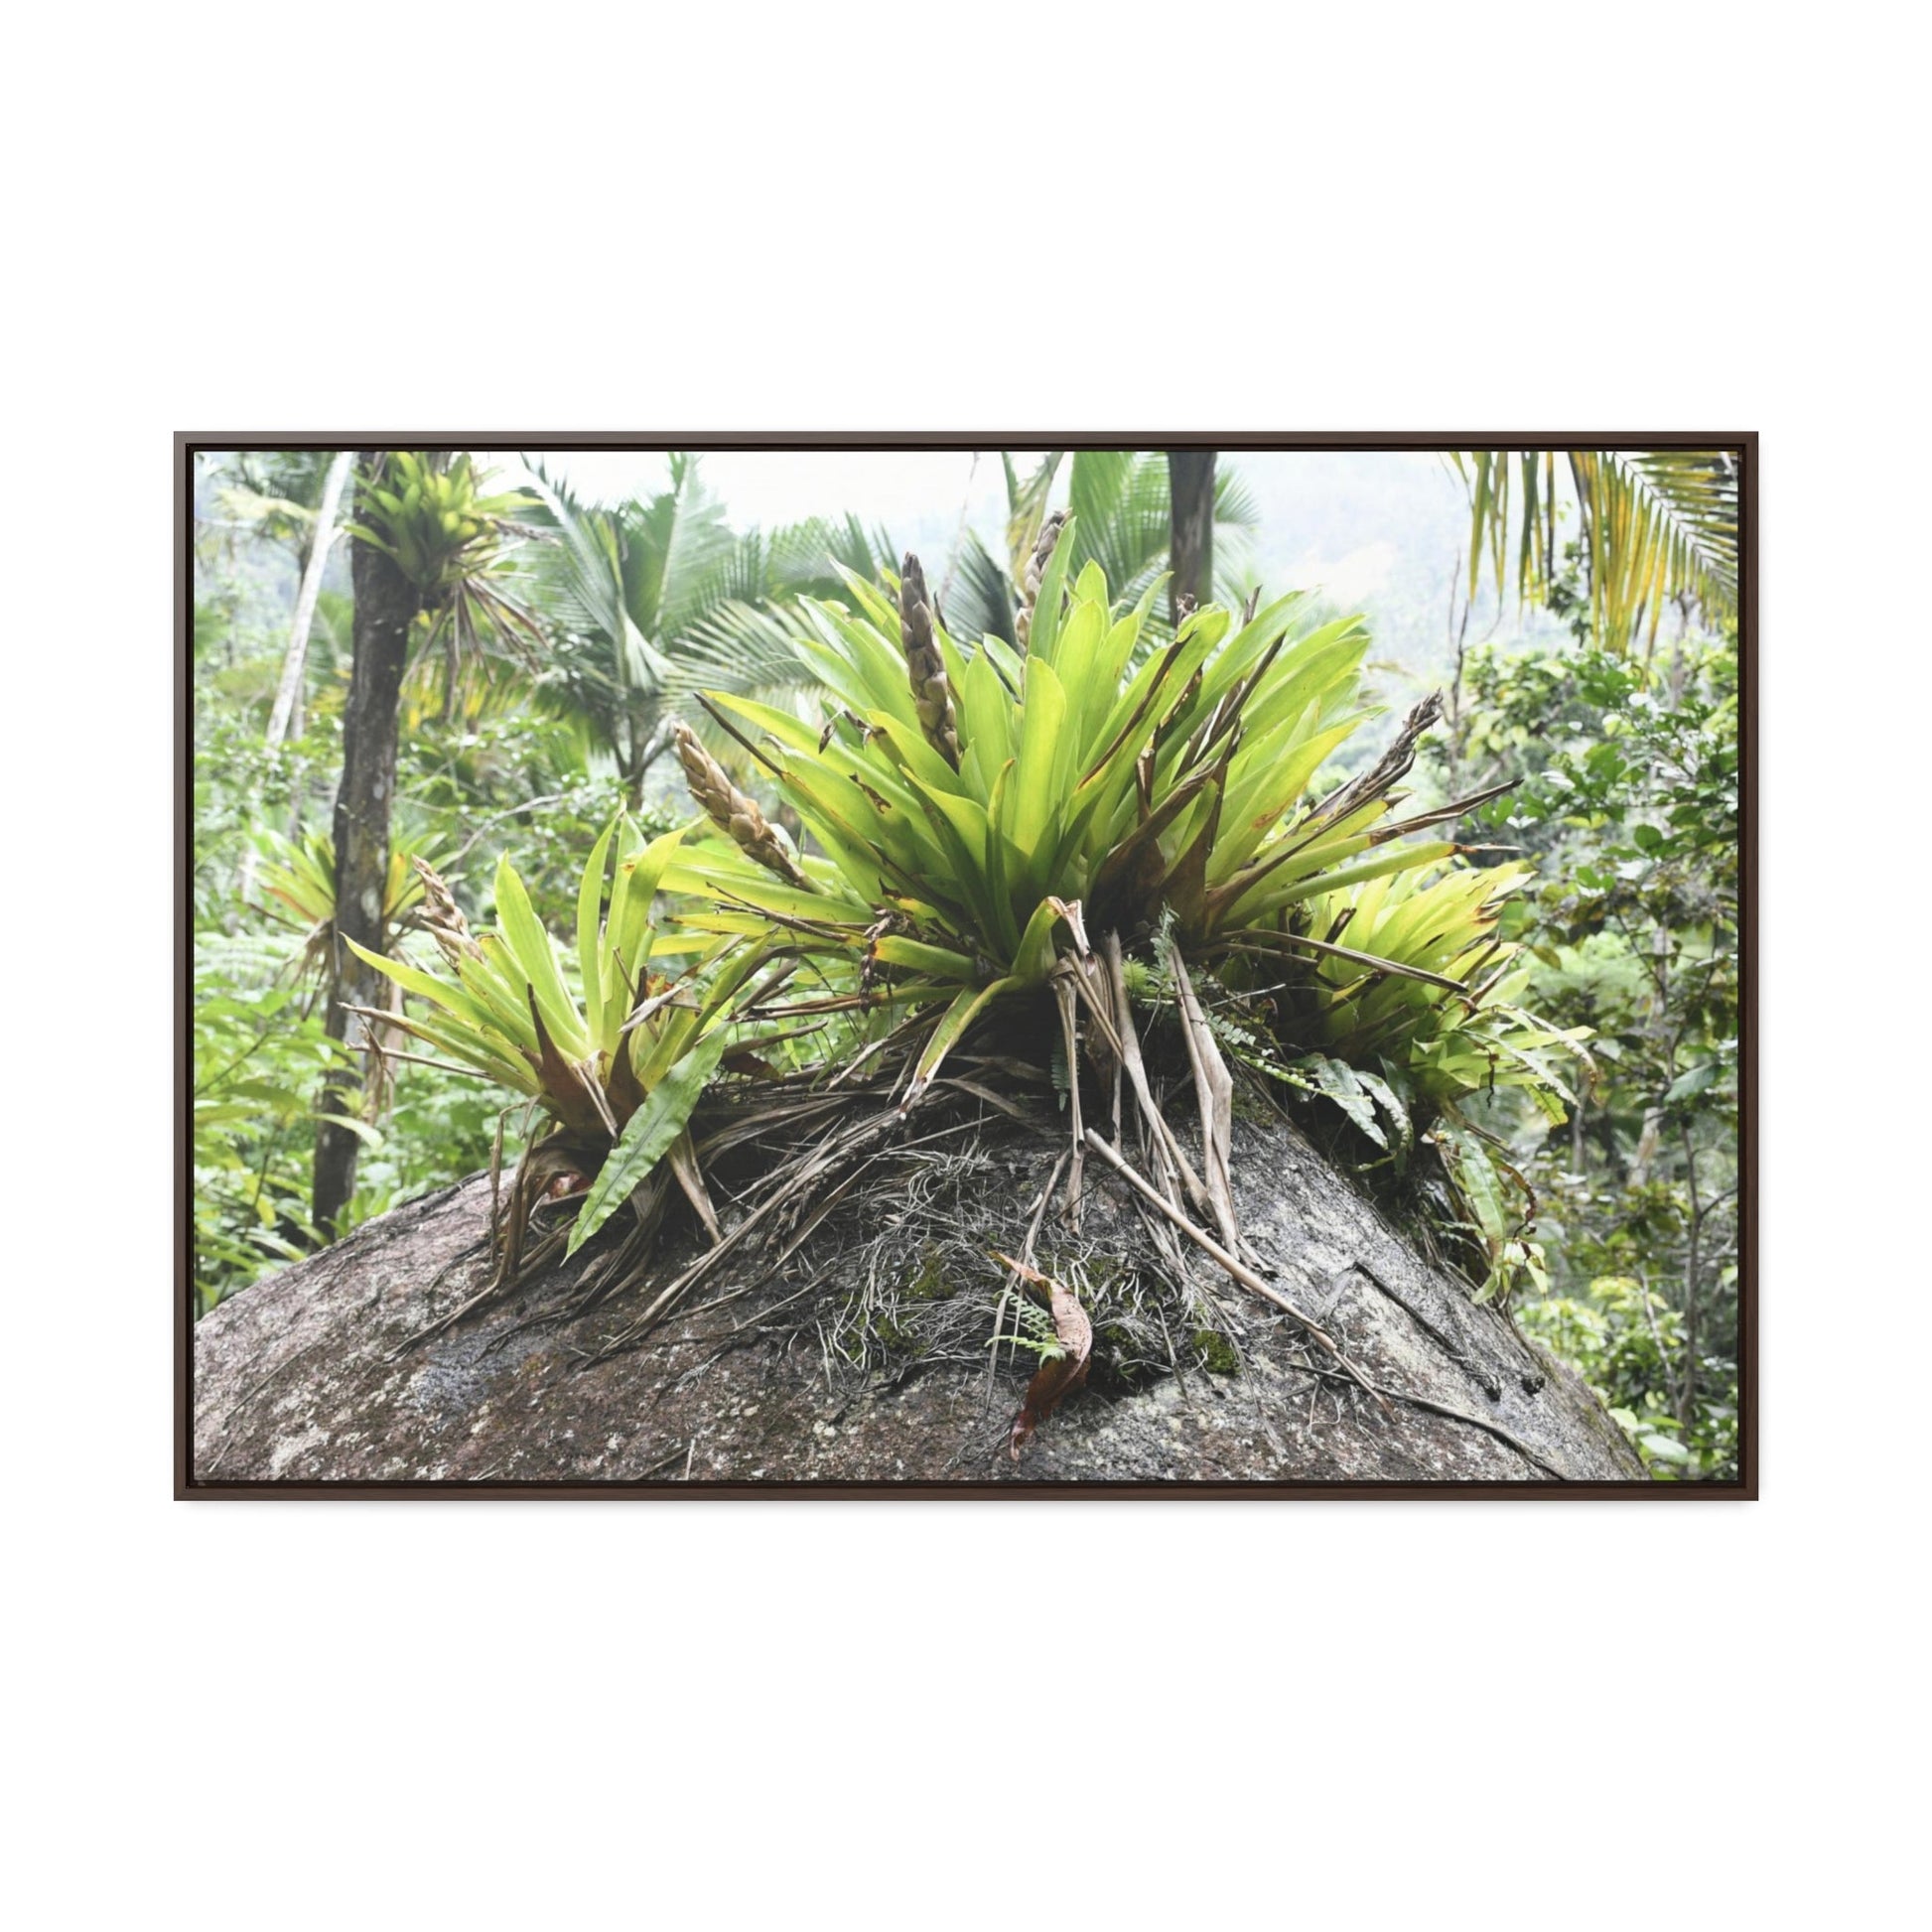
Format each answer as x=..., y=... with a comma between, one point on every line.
x=951, y=965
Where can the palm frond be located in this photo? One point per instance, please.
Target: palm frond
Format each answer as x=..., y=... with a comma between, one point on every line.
x=1661, y=524
x=676, y=548
x=1122, y=504
x=748, y=651
x=977, y=598
x=1123, y=510
x=1655, y=526
x=1236, y=506
x=807, y=559
x=581, y=580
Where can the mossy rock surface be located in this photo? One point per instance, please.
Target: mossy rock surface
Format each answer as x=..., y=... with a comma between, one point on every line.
x=309, y=1377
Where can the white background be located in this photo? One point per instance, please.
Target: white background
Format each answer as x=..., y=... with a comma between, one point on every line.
x=387, y=216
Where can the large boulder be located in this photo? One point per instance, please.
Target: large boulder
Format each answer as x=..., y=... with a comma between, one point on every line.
x=862, y=1358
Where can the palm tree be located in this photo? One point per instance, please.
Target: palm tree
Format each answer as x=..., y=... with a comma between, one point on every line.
x=656, y=596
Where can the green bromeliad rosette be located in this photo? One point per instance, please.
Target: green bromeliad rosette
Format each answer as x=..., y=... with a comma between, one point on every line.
x=615, y=1067
x=993, y=826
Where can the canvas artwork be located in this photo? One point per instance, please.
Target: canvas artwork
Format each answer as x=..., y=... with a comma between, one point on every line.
x=944, y=966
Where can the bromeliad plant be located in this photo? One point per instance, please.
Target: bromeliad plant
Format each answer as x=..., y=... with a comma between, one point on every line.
x=980, y=811
x=299, y=877
x=1390, y=1046
x=1443, y=1048
x=998, y=828
x=615, y=1065
x=996, y=824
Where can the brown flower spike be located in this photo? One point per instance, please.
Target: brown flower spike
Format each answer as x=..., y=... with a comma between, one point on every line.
x=927, y=670
x=1050, y=536
x=725, y=805
x=443, y=917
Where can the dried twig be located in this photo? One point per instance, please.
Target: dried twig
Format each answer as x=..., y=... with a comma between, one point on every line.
x=1239, y=1269
x=1169, y=1158
x=442, y=917
x=1065, y=997
x=1214, y=1089
x=1392, y=766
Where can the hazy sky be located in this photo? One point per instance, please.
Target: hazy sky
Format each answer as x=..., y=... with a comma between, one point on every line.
x=908, y=486
x=1379, y=531
x=895, y=487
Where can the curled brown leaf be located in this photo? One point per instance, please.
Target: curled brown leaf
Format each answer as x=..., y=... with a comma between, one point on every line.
x=1056, y=1379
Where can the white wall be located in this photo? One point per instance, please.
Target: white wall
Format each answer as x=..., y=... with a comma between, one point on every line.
x=1490, y=216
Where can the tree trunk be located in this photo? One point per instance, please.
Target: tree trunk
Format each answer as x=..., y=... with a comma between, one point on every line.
x=385, y=603
x=316, y=1375
x=288, y=692
x=286, y=712
x=1190, y=482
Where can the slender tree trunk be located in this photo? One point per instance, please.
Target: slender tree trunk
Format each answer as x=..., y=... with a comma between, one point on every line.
x=285, y=714
x=385, y=603
x=640, y=739
x=288, y=692
x=1687, y=1402
x=1190, y=482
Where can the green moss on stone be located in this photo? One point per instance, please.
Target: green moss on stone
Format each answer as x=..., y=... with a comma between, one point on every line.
x=1216, y=1353
x=930, y=1282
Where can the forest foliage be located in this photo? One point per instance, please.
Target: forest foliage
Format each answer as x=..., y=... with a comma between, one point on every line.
x=1569, y=846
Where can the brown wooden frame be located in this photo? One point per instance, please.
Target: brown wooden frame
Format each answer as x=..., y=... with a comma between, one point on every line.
x=189, y=444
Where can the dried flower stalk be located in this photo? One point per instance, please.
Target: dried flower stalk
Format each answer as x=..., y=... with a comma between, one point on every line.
x=1050, y=535
x=927, y=670
x=725, y=805
x=442, y=917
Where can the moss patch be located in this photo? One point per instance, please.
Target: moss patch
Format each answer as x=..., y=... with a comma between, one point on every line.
x=1216, y=1353
x=929, y=1281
